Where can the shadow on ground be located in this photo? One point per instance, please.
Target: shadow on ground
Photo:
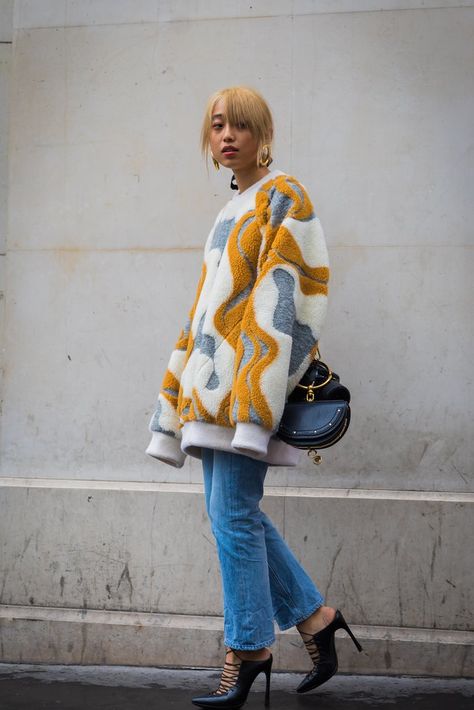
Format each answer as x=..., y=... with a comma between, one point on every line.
x=38, y=687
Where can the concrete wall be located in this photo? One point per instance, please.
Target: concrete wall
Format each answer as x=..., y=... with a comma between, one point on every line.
x=6, y=31
x=109, y=207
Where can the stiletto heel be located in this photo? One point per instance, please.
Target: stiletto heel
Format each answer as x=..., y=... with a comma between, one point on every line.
x=346, y=628
x=267, y=689
x=235, y=684
x=322, y=649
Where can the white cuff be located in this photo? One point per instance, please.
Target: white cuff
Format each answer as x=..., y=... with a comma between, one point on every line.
x=166, y=448
x=251, y=439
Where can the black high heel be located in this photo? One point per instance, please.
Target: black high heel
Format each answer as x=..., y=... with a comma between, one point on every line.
x=322, y=649
x=236, y=681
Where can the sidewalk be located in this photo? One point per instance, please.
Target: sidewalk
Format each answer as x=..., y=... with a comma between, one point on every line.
x=37, y=687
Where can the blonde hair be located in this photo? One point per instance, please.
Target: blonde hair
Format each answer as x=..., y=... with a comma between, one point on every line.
x=242, y=105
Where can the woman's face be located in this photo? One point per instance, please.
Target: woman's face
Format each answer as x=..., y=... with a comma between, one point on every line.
x=224, y=137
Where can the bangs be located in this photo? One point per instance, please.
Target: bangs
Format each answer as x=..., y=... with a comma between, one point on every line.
x=239, y=108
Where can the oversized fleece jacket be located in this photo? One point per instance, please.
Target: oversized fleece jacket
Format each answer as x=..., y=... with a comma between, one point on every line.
x=252, y=331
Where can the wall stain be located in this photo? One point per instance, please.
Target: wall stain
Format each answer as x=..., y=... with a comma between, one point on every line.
x=331, y=571
x=84, y=641
x=26, y=545
x=125, y=577
x=4, y=581
x=68, y=260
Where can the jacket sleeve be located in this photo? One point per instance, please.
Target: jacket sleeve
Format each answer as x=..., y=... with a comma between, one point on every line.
x=164, y=424
x=283, y=317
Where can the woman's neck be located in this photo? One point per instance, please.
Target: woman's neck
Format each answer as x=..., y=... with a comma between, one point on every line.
x=246, y=177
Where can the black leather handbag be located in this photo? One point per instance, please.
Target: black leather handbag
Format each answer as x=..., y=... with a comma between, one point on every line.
x=317, y=413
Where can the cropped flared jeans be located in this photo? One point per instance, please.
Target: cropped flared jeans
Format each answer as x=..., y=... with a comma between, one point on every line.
x=262, y=580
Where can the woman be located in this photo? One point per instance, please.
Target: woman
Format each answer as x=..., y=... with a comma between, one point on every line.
x=250, y=336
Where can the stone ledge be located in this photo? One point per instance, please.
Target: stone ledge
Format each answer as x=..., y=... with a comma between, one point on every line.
x=387, y=562
x=276, y=491
x=89, y=636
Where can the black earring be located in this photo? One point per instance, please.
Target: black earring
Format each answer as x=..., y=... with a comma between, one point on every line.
x=233, y=183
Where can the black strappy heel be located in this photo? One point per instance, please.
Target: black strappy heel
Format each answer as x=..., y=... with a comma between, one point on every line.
x=236, y=681
x=322, y=649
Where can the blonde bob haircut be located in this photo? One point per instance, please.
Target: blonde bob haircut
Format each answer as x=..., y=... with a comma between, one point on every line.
x=242, y=105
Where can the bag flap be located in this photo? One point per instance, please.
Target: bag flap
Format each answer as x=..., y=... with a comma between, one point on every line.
x=313, y=418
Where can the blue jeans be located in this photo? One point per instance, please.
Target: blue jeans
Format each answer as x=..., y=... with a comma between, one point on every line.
x=261, y=578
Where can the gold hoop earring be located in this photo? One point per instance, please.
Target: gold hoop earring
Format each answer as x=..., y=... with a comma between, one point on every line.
x=215, y=163
x=265, y=156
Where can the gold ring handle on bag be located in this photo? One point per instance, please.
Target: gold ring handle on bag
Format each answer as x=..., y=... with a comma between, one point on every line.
x=312, y=386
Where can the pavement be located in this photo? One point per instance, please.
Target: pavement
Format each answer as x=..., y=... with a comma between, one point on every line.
x=45, y=687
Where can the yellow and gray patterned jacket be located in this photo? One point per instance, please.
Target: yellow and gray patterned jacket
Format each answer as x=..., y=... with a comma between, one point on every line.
x=252, y=331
